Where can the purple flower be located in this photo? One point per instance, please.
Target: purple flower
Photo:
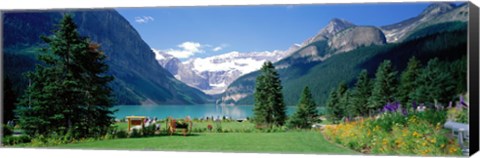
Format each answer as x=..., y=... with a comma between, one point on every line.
x=404, y=112
x=450, y=104
x=391, y=107
x=462, y=101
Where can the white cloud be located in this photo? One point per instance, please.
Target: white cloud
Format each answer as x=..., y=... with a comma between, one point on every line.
x=187, y=49
x=216, y=49
x=157, y=53
x=220, y=47
x=144, y=19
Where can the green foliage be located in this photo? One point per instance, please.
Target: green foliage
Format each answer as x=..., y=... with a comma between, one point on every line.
x=349, y=109
x=306, y=113
x=361, y=93
x=394, y=133
x=458, y=115
x=433, y=29
x=269, y=108
x=69, y=92
x=335, y=103
x=7, y=130
x=384, y=86
x=15, y=140
x=408, y=82
x=121, y=134
x=149, y=130
x=458, y=70
x=135, y=133
x=322, y=76
x=435, y=84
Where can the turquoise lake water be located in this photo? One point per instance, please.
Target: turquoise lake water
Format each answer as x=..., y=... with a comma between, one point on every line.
x=194, y=111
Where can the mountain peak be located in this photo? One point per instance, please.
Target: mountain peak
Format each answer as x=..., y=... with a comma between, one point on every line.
x=338, y=21
x=334, y=26
x=438, y=8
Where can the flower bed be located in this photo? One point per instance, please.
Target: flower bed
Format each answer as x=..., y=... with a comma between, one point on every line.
x=397, y=134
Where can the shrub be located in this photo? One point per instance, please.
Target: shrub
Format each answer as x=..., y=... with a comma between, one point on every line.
x=7, y=130
x=149, y=130
x=458, y=115
x=14, y=140
x=135, y=133
x=121, y=134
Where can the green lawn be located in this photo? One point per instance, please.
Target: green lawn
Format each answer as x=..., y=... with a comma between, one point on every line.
x=281, y=142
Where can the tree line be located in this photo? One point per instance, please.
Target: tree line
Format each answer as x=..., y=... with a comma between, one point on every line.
x=433, y=85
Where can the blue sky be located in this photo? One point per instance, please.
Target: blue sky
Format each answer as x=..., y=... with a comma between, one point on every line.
x=190, y=32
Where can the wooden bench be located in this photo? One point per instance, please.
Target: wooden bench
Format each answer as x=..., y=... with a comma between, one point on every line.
x=172, y=124
x=461, y=130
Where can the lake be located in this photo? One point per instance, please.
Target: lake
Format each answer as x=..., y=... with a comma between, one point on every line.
x=194, y=111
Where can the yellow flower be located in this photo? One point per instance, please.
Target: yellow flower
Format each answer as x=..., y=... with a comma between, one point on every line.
x=415, y=134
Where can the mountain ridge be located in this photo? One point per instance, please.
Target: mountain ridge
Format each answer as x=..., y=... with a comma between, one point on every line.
x=315, y=52
x=139, y=78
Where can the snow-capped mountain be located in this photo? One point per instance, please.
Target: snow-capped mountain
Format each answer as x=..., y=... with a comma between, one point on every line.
x=213, y=74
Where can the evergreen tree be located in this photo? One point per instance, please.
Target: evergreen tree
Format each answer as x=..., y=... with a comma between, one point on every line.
x=348, y=109
x=335, y=109
x=269, y=107
x=408, y=82
x=306, y=113
x=361, y=93
x=435, y=84
x=69, y=92
x=331, y=104
x=384, y=86
x=9, y=99
x=458, y=70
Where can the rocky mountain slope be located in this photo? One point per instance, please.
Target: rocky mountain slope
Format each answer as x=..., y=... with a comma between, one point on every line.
x=139, y=79
x=341, y=49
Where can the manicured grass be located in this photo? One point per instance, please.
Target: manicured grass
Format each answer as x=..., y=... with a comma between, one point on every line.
x=280, y=142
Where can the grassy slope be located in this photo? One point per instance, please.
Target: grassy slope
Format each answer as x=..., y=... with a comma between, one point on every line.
x=287, y=142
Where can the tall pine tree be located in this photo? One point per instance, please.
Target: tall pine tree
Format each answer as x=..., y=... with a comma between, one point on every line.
x=458, y=70
x=408, y=82
x=306, y=113
x=435, y=84
x=361, y=93
x=384, y=86
x=69, y=92
x=348, y=109
x=269, y=107
x=335, y=108
x=331, y=104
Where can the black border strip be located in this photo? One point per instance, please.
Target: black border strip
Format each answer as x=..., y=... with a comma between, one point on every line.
x=473, y=51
